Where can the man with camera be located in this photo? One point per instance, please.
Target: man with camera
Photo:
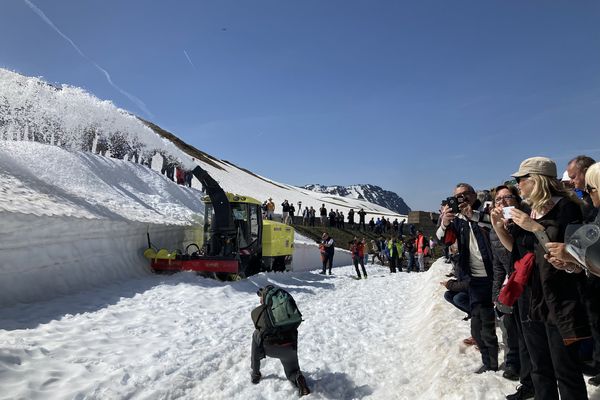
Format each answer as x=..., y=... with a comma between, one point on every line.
x=275, y=337
x=461, y=222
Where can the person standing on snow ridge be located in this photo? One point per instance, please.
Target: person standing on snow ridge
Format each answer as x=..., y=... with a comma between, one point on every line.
x=305, y=216
x=285, y=212
x=270, y=209
x=292, y=212
x=361, y=219
x=323, y=214
x=351, y=218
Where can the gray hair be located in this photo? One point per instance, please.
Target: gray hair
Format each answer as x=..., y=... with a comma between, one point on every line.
x=465, y=185
x=582, y=162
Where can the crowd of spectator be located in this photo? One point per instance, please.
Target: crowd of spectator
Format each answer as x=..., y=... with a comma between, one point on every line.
x=334, y=218
x=526, y=258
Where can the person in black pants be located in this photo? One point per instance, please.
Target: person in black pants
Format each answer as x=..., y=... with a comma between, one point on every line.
x=556, y=318
x=282, y=345
x=328, y=249
x=474, y=261
x=505, y=196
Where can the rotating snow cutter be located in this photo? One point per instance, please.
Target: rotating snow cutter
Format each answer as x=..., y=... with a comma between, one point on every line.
x=236, y=241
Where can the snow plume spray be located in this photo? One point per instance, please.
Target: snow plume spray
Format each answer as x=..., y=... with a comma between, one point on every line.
x=67, y=116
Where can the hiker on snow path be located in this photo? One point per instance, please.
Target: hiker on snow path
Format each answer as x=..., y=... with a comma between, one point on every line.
x=276, y=335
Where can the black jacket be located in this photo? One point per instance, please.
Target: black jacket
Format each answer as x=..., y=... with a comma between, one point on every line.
x=502, y=264
x=262, y=335
x=480, y=288
x=554, y=295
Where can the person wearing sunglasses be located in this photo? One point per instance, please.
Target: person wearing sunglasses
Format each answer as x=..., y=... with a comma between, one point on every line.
x=516, y=357
x=556, y=318
x=560, y=258
x=474, y=262
x=507, y=197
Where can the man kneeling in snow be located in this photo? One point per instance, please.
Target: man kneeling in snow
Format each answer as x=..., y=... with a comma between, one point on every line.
x=278, y=342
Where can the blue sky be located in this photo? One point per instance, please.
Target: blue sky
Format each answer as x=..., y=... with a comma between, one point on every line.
x=411, y=96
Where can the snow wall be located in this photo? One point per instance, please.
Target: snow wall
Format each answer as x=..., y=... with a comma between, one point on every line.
x=307, y=256
x=45, y=257
x=48, y=256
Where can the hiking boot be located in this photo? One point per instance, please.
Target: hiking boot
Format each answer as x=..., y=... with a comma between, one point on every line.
x=255, y=377
x=303, y=389
x=510, y=374
x=594, y=380
x=522, y=393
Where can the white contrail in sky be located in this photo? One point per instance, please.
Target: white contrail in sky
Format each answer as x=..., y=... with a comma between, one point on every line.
x=189, y=59
x=131, y=97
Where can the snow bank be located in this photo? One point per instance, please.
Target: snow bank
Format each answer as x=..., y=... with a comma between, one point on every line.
x=307, y=256
x=73, y=220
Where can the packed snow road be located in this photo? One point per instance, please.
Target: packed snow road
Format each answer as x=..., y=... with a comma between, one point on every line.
x=187, y=337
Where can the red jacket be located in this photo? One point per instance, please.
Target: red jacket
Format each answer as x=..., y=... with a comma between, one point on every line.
x=357, y=250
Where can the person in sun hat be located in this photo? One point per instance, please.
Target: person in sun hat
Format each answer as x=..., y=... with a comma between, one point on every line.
x=555, y=315
x=270, y=209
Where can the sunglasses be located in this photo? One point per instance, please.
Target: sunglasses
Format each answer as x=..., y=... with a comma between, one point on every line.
x=463, y=195
x=519, y=179
x=590, y=189
x=508, y=197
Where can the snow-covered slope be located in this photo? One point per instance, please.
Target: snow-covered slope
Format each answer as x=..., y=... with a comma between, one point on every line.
x=32, y=109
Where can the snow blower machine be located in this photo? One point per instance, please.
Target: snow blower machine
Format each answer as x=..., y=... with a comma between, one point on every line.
x=235, y=243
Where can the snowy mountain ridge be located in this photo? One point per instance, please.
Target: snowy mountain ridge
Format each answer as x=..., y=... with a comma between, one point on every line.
x=366, y=192
x=69, y=117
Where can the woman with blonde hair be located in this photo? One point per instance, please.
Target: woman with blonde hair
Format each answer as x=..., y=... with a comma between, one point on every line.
x=555, y=318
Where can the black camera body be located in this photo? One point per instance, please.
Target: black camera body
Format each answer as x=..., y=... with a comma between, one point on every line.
x=453, y=203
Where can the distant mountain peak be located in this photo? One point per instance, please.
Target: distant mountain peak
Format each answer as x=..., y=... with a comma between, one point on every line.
x=371, y=193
